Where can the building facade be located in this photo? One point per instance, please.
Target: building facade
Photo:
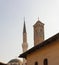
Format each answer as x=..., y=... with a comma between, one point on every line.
x=44, y=52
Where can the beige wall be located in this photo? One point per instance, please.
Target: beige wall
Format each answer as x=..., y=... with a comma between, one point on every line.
x=51, y=52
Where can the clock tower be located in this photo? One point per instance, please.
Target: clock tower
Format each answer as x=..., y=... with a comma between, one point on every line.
x=38, y=32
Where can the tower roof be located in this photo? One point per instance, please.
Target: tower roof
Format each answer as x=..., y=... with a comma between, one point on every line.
x=24, y=28
x=38, y=22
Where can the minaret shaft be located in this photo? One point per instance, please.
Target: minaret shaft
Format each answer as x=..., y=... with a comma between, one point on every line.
x=24, y=45
x=25, y=37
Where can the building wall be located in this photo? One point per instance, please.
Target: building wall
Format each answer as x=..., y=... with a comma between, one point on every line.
x=51, y=52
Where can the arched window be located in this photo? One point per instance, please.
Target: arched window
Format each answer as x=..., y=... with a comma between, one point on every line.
x=45, y=61
x=36, y=63
x=25, y=63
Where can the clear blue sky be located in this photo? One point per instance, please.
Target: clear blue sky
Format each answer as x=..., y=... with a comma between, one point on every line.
x=12, y=14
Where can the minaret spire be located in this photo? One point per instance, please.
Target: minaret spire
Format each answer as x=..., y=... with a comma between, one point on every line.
x=24, y=45
x=24, y=29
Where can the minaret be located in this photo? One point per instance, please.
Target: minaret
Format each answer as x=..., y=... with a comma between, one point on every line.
x=24, y=45
x=38, y=32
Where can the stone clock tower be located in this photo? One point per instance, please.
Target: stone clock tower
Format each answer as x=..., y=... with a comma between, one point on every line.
x=24, y=45
x=38, y=32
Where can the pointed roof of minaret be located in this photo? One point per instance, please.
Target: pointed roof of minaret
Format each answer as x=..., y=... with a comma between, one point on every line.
x=24, y=28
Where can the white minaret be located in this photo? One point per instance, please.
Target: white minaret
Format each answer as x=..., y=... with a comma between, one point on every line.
x=24, y=45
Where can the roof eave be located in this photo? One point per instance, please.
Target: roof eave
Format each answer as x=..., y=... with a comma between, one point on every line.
x=39, y=46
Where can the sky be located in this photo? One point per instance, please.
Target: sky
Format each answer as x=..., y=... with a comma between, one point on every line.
x=12, y=13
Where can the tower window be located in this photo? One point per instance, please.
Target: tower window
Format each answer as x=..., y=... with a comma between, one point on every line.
x=36, y=63
x=45, y=61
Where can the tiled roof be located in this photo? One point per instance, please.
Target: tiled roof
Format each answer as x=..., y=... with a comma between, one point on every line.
x=38, y=23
